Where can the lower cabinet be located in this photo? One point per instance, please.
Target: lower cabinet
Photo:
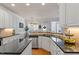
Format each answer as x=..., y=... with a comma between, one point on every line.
x=11, y=46
x=48, y=44
x=35, y=42
x=44, y=42
x=28, y=50
x=39, y=42
x=54, y=49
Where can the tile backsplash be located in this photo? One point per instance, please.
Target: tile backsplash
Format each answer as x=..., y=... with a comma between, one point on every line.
x=6, y=32
x=74, y=31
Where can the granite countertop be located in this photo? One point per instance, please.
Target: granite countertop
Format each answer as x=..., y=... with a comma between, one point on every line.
x=67, y=47
x=41, y=34
x=70, y=48
x=1, y=37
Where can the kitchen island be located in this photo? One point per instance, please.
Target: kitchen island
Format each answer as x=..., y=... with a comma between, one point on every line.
x=67, y=48
x=59, y=46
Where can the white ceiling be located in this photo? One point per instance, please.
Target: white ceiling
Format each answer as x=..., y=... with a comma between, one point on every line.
x=35, y=11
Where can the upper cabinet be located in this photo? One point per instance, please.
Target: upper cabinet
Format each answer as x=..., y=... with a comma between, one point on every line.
x=69, y=14
x=8, y=19
x=1, y=18
x=72, y=14
x=62, y=20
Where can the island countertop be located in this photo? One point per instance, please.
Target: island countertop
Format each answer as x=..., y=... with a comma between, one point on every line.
x=67, y=47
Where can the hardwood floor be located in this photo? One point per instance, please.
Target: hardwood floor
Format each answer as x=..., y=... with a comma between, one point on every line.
x=39, y=52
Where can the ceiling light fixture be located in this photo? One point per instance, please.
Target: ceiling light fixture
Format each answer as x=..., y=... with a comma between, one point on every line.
x=43, y=4
x=27, y=4
x=12, y=4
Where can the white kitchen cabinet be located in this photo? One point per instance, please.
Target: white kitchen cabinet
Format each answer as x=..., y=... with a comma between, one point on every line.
x=54, y=49
x=48, y=44
x=2, y=48
x=1, y=18
x=39, y=42
x=28, y=50
x=72, y=14
x=4, y=19
x=35, y=42
x=22, y=43
x=62, y=15
x=44, y=42
x=10, y=44
x=69, y=14
x=8, y=19
x=15, y=43
x=14, y=21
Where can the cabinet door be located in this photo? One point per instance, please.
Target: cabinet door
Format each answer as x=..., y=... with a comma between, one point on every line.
x=60, y=52
x=15, y=45
x=14, y=21
x=72, y=14
x=8, y=45
x=35, y=42
x=53, y=48
x=6, y=20
x=28, y=50
x=39, y=42
x=62, y=15
x=10, y=20
x=1, y=18
x=69, y=14
x=1, y=21
x=45, y=43
x=11, y=44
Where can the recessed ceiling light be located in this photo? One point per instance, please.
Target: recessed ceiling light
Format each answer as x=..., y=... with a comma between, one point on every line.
x=12, y=4
x=43, y=4
x=27, y=4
